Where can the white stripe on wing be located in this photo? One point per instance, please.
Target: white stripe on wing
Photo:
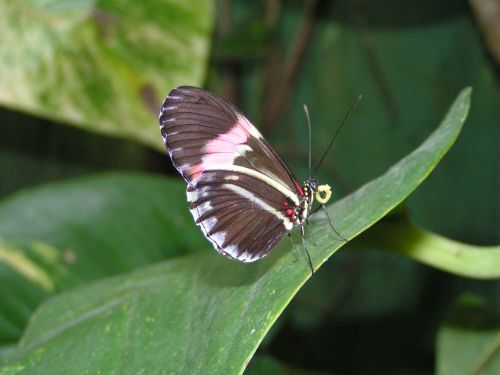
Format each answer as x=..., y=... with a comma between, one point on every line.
x=259, y=176
x=259, y=202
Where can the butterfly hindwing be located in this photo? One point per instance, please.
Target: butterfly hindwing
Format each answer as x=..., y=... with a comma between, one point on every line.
x=238, y=214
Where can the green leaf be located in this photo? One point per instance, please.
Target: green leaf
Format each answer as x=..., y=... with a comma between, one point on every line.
x=104, y=66
x=361, y=293
x=481, y=262
x=61, y=235
x=469, y=341
x=203, y=313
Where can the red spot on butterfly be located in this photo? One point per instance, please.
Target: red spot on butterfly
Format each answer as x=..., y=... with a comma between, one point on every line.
x=285, y=203
x=289, y=211
x=299, y=189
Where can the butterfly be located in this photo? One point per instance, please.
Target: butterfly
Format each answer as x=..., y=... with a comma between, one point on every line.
x=241, y=193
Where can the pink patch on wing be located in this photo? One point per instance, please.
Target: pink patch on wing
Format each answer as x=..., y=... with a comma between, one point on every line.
x=221, y=150
x=194, y=172
x=247, y=125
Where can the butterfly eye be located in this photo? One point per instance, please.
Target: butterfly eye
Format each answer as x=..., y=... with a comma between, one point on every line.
x=323, y=194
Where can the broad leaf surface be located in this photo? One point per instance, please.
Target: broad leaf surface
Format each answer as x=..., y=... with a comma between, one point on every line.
x=104, y=65
x=469, y=340
x=64, y=234
x=203, y=313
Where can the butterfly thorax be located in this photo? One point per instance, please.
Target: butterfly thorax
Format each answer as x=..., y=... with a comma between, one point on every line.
x=309, y=191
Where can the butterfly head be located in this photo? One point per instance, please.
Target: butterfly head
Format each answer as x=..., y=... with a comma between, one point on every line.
x=322, y=193
x=313, y=184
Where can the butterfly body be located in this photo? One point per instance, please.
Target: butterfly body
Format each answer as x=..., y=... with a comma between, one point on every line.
x=241, y=194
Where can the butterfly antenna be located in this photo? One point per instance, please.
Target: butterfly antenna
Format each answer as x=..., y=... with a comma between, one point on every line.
x=310, y=135
x=353, y=105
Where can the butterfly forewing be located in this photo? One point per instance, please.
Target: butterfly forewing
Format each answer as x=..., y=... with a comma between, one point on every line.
x=240, y=191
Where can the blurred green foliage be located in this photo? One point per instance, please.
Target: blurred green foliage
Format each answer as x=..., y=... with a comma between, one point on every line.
x=104, y=67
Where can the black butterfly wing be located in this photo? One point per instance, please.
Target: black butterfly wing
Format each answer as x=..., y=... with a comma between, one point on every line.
x=240, y=191
x=243, y=217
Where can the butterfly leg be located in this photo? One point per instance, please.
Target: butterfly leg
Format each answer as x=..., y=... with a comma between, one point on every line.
x=331, y=225
x=305, y=248
x=315, y=210
x=294, y=247
x=310, y=238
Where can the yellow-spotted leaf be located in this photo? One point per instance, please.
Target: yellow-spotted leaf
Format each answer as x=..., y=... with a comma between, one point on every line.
x=103, y=65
